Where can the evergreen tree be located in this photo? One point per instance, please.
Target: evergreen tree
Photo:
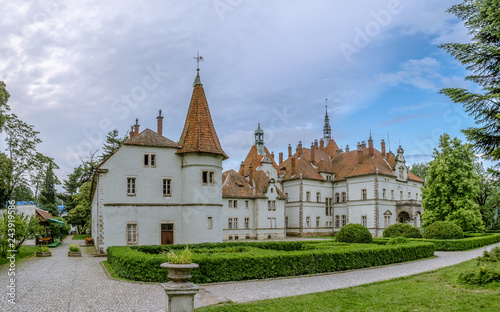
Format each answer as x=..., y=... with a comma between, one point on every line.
x=482, y=57
x=113, y=141
x=4, y=107
x=452, y=186
x=47, y=198
x=22, y=193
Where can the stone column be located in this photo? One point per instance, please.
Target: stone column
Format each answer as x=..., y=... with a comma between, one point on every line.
x=179, y=293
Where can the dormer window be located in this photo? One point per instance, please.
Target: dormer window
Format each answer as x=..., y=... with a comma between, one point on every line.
x=401, y=173
x=149, y=160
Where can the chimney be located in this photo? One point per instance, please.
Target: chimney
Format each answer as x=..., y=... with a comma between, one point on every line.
x=293, y=165
x=136, y=127
x=159, y=124
x=281, y=157
x=242, y=169
x=289, y=150
x=347, y=148
x=363, y=144
x=250, y=175
x=131, y=131
x=383, y=147
x=313, y=153
x=360, y=154
x=370, y=146
x=316, y=144
x=272, y=155
x=321, y=145
x=299, y=149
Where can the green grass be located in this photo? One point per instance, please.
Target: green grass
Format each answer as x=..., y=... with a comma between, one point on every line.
x=80, y=236
x=433, y=291
x=24, y=252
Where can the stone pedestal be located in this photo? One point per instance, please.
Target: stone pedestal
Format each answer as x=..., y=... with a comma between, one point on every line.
x=179, y=292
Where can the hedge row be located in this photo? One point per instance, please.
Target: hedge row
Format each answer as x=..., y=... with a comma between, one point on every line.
x=462, y=244
x=257, y=263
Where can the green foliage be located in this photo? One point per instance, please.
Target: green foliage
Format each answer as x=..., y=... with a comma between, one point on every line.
x=487, y=271
x=47, y=197
x=113, y=141
x=261, y=260
x=4, y=107
x=420, y=170
x=185, y=256
x=43, y=249
x=482, y=19
x=452, y=186
x=398, y=240
x=354, y=233
x=443, y=230
x=26, y=227
x=6, y=168
x=74, y=248
x=463, y=244
x=80, y=215
x=402, y=229
x=80, y=236
x=22, y=193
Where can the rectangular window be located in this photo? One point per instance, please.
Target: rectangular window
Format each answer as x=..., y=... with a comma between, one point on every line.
x=247, y=205
x=132, y=233
x=149, y=160
x=235, y=223
x=318, y=197
x=230, y=203
x=416, y=196
x=387, y=221
x=344, y=220
x=308, y=222
x=401, y=195
x=363, y=194
x=384, y=194
x=308, y=196
x=229, y=223
x=271, y=205
x=344, y=197
x=247, y=223
x=131, y=186
x=409, y=195
x=327, y=206
x=167, y=187
x=337, y=197
x=364, y=221
x=337, y=221
x=271, y=222
x=318, y=219
x=207, y=177
x=392, y=194
x=209, y=223
x=286, y=222
x=235, y=204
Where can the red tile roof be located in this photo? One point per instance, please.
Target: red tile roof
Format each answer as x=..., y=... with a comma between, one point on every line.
x=346, y=164
x=44, y=214
x=199, y=133
x=331, y=148
x=150, y=138
x=255, y=160
x=236, y=186
x=303, y=169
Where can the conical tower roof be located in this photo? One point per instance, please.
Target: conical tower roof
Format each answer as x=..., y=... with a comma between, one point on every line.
x=199, y=135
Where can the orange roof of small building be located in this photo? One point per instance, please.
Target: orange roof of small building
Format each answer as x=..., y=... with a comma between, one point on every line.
x=199, y=133
x=253, y=159
x=235, y=185
x=44, y=214
x=151, y=138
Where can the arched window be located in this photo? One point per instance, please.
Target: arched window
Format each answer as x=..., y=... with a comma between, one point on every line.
x=401, y=173
x=337, y=197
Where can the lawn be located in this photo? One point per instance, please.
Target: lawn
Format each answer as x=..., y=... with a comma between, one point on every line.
x=434, y=291
x=80, y=236
x=24, y=252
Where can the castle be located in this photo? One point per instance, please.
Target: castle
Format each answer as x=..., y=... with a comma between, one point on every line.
x=152, y=190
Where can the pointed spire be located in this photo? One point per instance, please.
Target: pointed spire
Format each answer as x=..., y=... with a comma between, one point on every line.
x=197, y=80
x=259, y=141
x=327, y=131
x=199, y=135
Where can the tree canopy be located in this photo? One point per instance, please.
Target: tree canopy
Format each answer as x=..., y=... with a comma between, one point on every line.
x=482, y=57
x=452, y=186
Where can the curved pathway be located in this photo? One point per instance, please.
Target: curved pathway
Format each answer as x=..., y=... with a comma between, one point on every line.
x=61, y=283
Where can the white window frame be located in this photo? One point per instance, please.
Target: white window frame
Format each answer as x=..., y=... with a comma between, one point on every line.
x=132, y=235
x=318, y=221
x=149, y=160
x=247, y=223
x=308, y=196
x=364, y=221
x=364, y=194
x=344, y=220
x=210, y=175
x=230, y=223
x=210, y=222
x=167, y=188
x=131, y=189
x=344, y=197
x=318, y=197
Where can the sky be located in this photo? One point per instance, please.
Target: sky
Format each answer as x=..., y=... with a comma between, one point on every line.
x=77, y=70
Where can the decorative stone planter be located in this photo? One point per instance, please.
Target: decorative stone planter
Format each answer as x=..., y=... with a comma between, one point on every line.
x=44, y=254
x=179, y=291
x=74, y=253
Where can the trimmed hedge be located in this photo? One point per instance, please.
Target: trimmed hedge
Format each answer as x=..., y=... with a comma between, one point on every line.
x=462, y=244
x=443, y=230
x=263, y=262
x=402, y=230
x=354, y=233
x=398, y=240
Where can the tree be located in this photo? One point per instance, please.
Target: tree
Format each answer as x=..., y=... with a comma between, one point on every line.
x=113, y=141
x=47, y=197
x=6, y=167
x=4, y=107
x=420, y=170
x=452, y=186
x=22, y=193
x=80, y=215
x=27, y=227
x=482, y=57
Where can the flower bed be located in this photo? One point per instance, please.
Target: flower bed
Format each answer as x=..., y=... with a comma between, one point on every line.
x=245, y=261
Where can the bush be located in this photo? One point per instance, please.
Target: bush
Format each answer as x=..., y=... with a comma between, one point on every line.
x=398, y=240
x=463, y=244
x=403, y=230
x=443, y=230
x=74, y=248
x=43, y=249
x=253, y=262
x=488, y=269
x=354, y=233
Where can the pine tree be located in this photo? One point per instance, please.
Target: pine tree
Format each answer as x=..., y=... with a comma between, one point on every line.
x=452, y=186
x=47, y=198
x=113, y=141
x=482, y=57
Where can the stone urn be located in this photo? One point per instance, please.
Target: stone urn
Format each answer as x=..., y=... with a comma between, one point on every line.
x=179, y=273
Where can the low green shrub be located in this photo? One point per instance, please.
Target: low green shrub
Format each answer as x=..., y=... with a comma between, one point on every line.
x=398, y=240
x=462, y=244
x=43, y=249
x=488, y=269
x=354, y=233
x=254, y=262
x=443, y=230
x=403, y=230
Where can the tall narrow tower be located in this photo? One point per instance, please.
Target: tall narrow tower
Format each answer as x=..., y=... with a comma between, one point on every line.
x=259, y=141
x=327, y=131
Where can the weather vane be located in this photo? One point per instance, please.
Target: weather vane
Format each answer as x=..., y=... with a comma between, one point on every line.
x=198, y=58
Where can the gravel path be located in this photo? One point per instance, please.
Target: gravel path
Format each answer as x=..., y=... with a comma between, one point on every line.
x=62, y=283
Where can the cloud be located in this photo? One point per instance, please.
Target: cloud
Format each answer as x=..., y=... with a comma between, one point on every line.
x=400, y=119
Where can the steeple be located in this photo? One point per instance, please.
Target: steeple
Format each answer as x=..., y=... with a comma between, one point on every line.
x=259, y=141
x=199, y=135
x=327, y=131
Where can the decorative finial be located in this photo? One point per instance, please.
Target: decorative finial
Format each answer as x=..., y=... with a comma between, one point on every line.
x=370, y=134
x=159, y=115
x=326, y=106
x=198, y=58
x=137, y=121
